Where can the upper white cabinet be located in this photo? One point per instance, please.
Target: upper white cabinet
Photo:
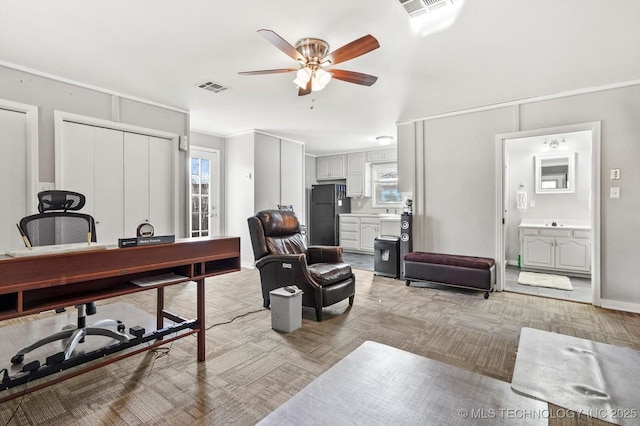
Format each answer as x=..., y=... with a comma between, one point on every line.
x=382, y=155
x=358, y=181
x=127, y=177
x=331, y=167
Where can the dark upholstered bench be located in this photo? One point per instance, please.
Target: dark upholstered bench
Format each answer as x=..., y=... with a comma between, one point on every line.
x=476, y=273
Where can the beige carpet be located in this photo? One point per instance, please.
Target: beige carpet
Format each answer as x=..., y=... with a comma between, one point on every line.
x=250, y=369
x=545, y=280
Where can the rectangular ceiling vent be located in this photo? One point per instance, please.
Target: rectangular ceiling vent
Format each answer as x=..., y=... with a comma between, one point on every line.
x=212, y=87
x=419, y=7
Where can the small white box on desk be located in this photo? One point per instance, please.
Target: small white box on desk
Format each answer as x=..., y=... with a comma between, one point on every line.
x=286, y=309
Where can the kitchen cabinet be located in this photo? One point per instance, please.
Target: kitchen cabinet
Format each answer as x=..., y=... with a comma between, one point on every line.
x=567, y=250
x=382, y=155
x=369, y=231
x=358, y=175
x=331, y=167
x=359, y=231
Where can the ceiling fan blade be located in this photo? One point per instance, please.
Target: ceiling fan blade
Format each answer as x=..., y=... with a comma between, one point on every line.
x=353, y=50
x=276, y=71
x=281, y=44
x=353, y=77
x=306, y=90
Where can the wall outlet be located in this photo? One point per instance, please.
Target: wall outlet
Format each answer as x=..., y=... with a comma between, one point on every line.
x=614, y=192
x=46, y=186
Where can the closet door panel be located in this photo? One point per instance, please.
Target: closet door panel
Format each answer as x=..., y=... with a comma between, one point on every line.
x=78, y=162
x=292, y=176
x=109, y=184
x=160, y=186
x=13, y=179
x=136, y=181
x=267, y=172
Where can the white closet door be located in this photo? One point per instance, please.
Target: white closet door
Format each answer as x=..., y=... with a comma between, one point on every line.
x=292, y=176
x=13, y=180
x=136, y=182
x=160, y=186
x=108, y=184
x=77, y=163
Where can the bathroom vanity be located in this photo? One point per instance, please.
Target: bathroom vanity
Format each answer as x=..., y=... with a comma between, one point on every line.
x=562, y=246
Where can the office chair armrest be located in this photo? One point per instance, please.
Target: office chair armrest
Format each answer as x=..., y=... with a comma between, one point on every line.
x=324, y=254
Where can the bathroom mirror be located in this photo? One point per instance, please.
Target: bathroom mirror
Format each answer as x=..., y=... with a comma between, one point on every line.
x=555, y=173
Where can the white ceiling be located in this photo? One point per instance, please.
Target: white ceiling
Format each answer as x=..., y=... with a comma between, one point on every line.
x=495, y=51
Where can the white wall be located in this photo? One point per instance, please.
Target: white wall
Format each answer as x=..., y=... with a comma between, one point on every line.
x=50, y=95
x=559, y=207
x=239, y=157
x=455, y=208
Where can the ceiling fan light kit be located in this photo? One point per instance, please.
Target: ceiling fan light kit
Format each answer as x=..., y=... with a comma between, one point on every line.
x=313, y=55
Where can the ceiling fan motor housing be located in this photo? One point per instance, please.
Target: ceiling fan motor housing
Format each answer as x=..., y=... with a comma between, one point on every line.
x=313, y=49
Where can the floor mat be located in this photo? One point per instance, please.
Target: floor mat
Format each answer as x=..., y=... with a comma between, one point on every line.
x=378, y=384
x=590, y=378
x=545, y=280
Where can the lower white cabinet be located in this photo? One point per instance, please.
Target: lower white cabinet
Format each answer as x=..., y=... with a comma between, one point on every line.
x=369, y=231
x=566, y=250
x=358, y=233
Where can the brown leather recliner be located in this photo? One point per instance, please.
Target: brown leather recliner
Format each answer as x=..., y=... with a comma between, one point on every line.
x=283, y=259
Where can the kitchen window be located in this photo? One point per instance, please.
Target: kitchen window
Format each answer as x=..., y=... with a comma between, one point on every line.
x=385, y=186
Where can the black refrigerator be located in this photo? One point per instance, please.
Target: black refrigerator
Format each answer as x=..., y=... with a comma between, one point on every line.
x=327, y=202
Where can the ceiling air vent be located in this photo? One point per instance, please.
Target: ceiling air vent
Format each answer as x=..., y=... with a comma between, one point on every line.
x=212, y=87
x=420, y=7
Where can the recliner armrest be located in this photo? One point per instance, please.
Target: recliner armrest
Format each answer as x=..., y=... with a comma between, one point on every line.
x=283, y=258
x=324, y=254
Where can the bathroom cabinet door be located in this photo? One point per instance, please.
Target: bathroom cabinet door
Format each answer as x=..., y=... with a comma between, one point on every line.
x=538, y=252
x=573, y=254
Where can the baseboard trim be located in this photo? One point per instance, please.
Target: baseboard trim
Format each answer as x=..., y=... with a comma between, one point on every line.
x=620, y=306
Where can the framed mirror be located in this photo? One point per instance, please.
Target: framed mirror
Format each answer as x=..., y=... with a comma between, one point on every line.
x=555, y=173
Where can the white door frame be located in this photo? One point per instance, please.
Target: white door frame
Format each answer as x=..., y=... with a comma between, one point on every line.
x=214, y=220
x=31, y=113
x=501, y=222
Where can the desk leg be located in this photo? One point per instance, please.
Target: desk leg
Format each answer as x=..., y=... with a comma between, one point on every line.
x=201, y=325
x=160, y=308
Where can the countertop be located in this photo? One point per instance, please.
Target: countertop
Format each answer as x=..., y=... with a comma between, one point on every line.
x=381, y=216
x=560, y=224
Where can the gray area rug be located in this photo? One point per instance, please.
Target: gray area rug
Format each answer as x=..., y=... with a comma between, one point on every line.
x=590, y=378
x=378, y=384
x=545, y=280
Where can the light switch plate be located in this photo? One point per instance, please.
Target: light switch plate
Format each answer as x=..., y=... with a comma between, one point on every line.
x=532, y=203
x=614, y=192
x=615, y=174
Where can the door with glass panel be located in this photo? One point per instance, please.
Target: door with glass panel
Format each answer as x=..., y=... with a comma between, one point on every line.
x=204, y=192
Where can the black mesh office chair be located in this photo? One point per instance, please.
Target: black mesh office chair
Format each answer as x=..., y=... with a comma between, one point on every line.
x=59, y=223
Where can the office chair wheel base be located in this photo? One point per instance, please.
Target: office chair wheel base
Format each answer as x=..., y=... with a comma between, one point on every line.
x=17, y=359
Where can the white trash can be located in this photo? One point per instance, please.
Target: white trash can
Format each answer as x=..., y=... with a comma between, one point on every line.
x=286, y=309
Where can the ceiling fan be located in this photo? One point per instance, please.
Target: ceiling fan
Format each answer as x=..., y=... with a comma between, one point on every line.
x=314, y=58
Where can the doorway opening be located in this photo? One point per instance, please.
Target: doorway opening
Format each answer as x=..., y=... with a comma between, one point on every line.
x=204, y=192
x=548, y=218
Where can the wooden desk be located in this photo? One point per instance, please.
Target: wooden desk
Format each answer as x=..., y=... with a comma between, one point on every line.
x=30, y=285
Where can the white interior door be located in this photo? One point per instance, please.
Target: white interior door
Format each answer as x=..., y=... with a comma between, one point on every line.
x=13, y=182
x=204, y=192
